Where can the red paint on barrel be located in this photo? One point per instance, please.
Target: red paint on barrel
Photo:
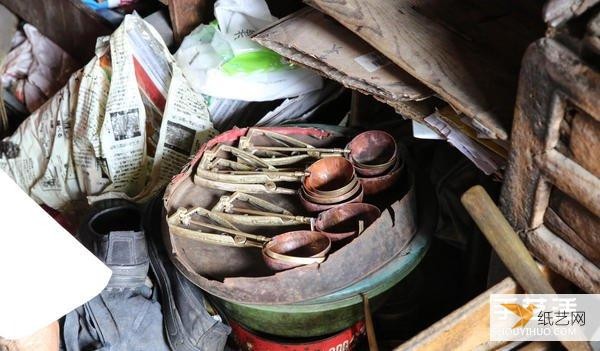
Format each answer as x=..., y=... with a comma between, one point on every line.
x=345, y=340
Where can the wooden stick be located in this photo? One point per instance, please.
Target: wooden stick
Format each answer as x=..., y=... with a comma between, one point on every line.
x=369, y=324
x=571, y=178
x=505, y=241
x=509, y=247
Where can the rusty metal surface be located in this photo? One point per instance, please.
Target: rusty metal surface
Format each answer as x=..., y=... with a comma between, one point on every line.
x=376, y=246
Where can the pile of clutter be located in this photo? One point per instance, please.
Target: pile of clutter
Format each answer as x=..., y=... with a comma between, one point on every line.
x=238, y=226
x=31, y=72
x=264, y=159
x=299, y=201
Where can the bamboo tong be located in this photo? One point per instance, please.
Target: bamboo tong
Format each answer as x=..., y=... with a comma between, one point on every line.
x=248, y=173
x=228, y=213
x=228, y=233
x=286, y=144
x=267, y=215
x=183, y=223
x=230, y=168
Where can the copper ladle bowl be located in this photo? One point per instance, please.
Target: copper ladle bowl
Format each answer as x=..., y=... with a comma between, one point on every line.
x=372, y=152
x=297, y=248
x=378, y=184
x=342, y=221
x=329, y=176
x=316, y=207
x=333, y=199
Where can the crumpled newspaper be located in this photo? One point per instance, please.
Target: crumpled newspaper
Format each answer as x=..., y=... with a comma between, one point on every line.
x=121, y=127
x=35, y=68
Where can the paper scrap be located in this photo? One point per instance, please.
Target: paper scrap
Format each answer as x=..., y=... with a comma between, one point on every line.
x=44, y=271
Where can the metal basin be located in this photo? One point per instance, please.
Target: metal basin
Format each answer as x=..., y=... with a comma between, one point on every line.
x=365, y=254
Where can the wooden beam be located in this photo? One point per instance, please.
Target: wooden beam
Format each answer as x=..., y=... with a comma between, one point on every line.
x=505, y=241
x=187, y=15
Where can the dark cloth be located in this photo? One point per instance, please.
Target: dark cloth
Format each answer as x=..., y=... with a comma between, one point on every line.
x=126, y=315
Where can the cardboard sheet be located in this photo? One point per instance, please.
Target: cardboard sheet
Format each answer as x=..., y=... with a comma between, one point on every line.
x=312, y=39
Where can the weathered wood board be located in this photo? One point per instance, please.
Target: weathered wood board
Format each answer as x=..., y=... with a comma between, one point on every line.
x=468, y=52
x=552, y=180
x=315, y=40
x=187, y=15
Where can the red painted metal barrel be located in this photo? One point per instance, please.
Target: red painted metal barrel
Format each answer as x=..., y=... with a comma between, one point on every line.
x=345, y=340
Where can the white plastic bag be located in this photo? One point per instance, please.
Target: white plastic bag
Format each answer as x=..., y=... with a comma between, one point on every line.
x=221, y=60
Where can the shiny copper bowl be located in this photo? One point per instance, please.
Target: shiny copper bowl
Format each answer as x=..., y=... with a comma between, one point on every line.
x=343, y=221
x=329, y=176
x=318, y=199
x=372, y=152
x=316, y=207
x=376, y=185
x=330, y=194
x=297, y=248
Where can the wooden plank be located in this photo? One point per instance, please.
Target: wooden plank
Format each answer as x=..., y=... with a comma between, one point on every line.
x=467, y=328
x=468, y=53
x=537, y=346
x=584, y=142
x=187, y=15
x=582, y=229
x=68, y=23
